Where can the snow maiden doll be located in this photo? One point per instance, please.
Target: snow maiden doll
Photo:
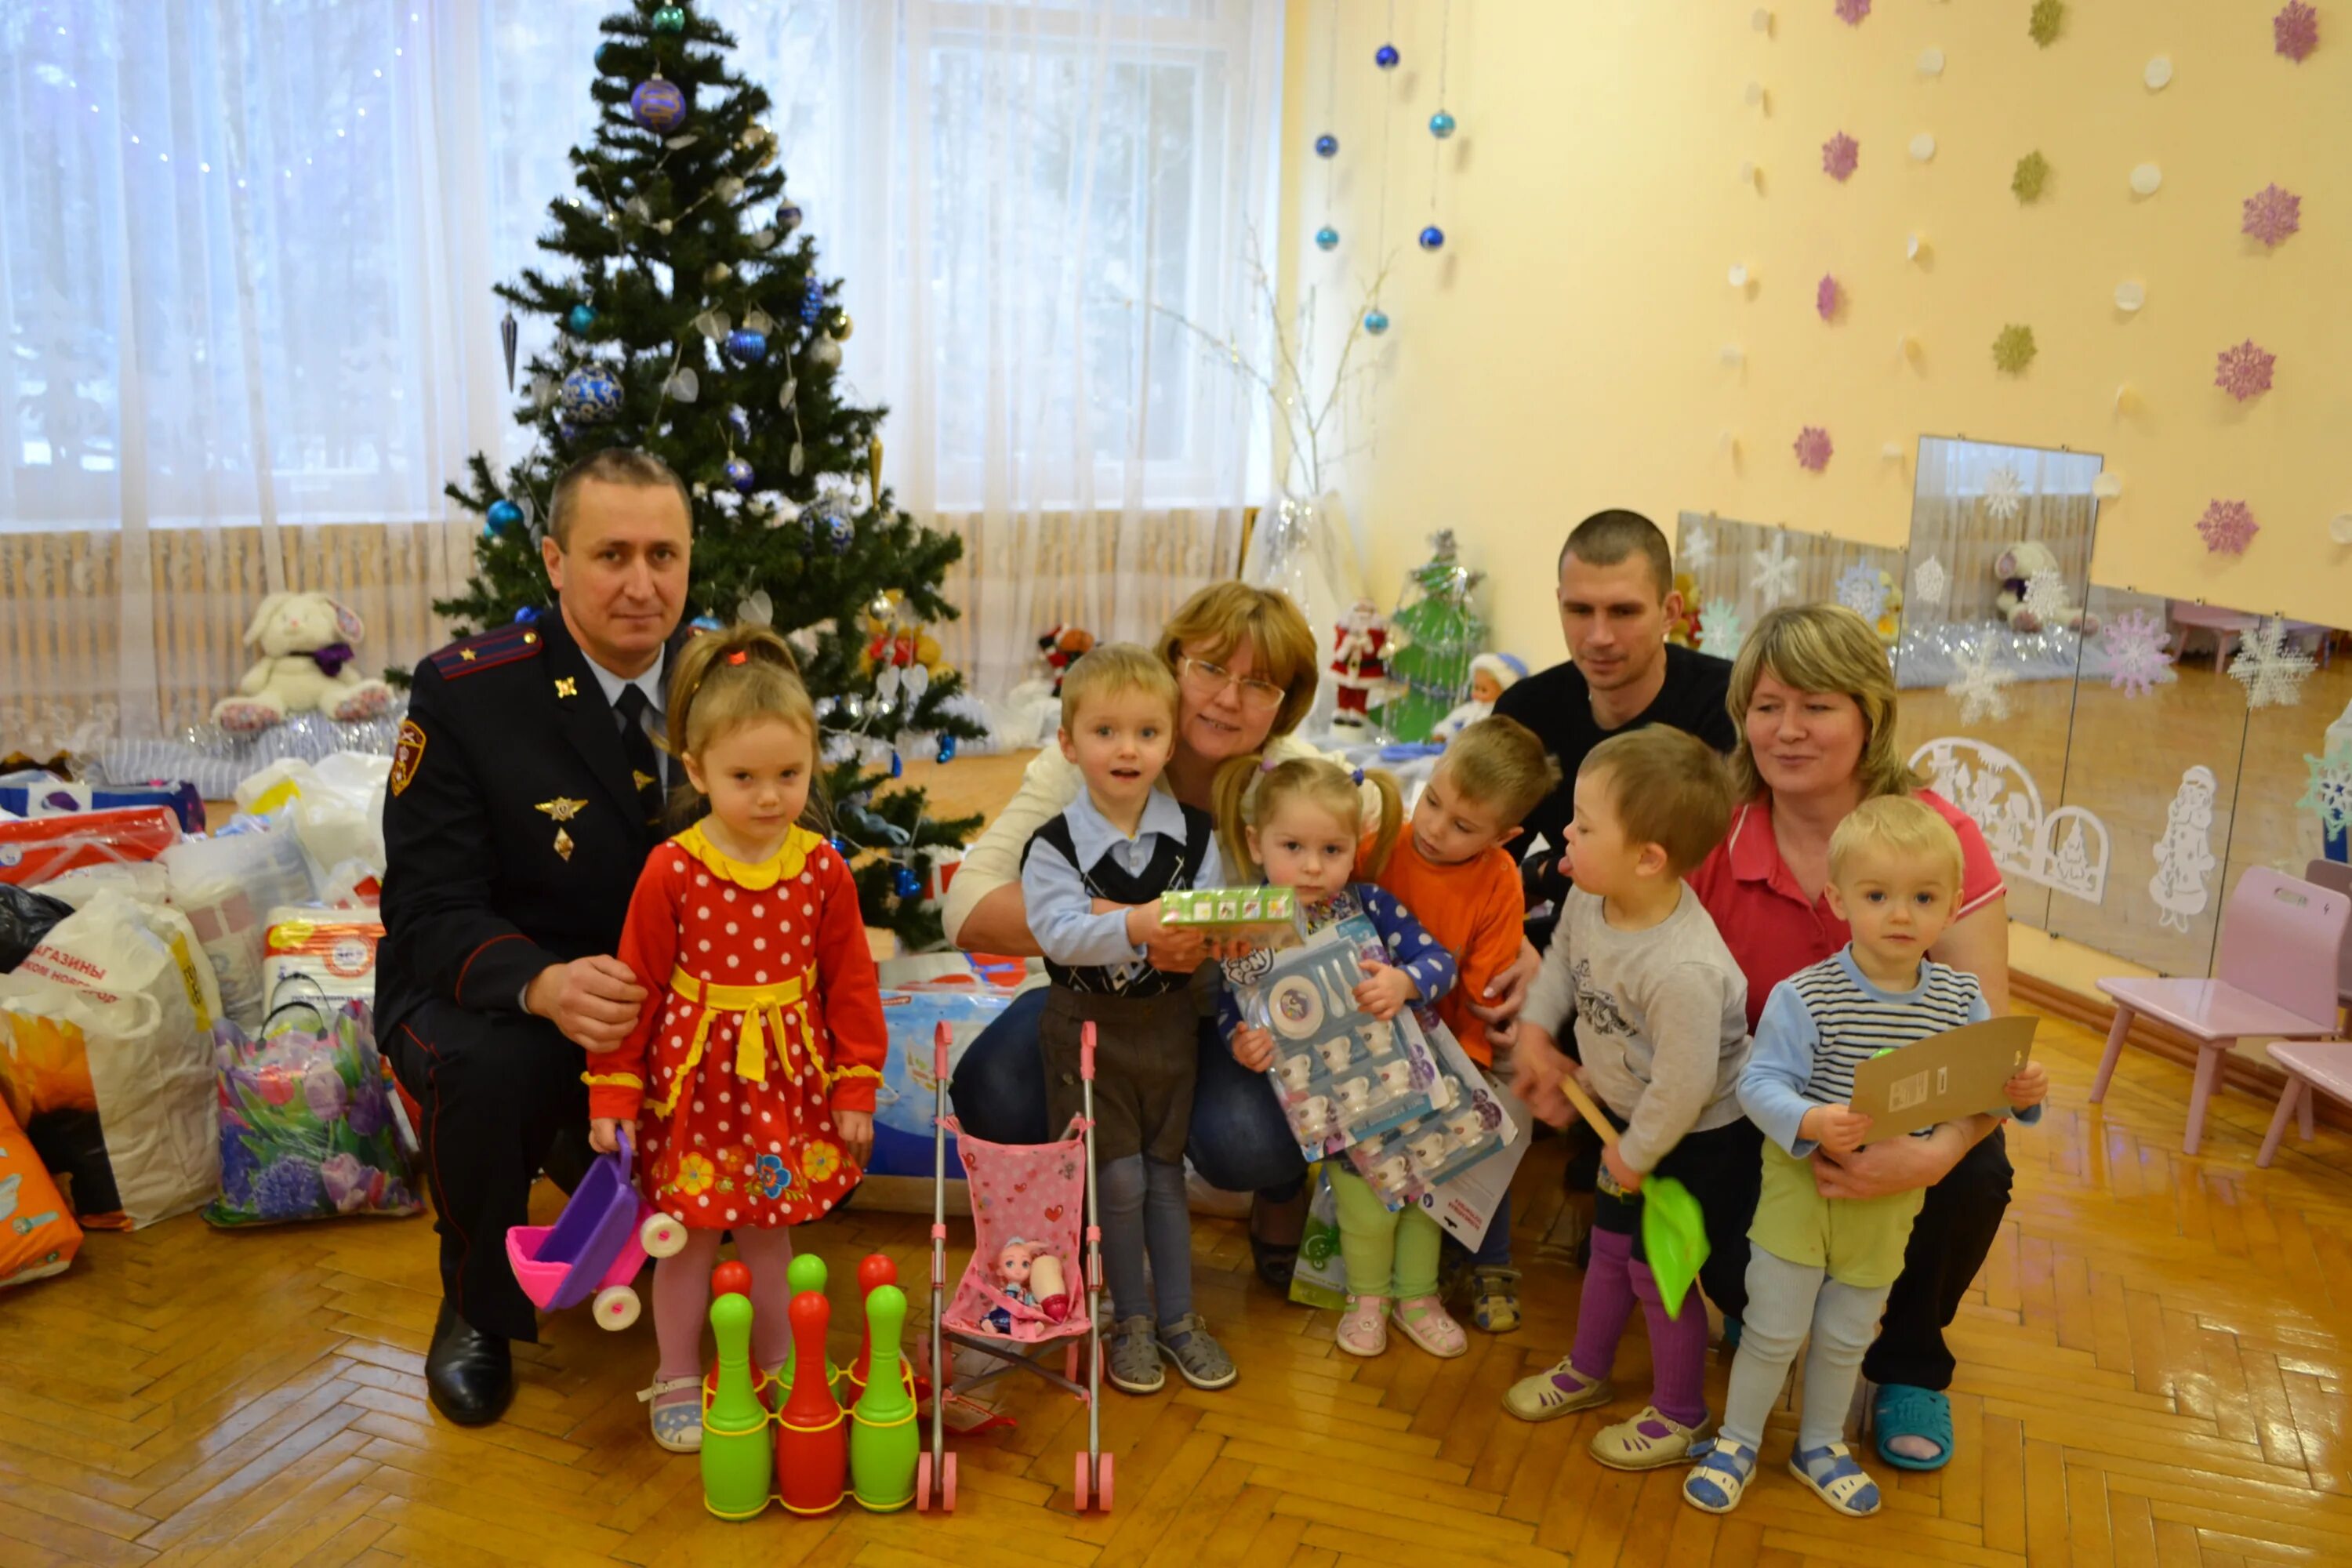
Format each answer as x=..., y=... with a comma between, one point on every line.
x=748, y=1079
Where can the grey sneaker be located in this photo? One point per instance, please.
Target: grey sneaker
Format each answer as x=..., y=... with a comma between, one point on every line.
x=1201, y=1360
x=1135, y=1358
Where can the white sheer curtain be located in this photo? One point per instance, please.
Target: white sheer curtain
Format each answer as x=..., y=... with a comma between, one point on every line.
x=245, y=253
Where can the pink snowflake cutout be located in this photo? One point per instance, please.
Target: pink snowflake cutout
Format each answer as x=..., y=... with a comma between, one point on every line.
x=1813, y=448
x=1852, y=12
x=1840, y=156
x=2271, y=214
x=1825, y=297
x=2294, y=31
x=2229, y=526
x=2244, y=371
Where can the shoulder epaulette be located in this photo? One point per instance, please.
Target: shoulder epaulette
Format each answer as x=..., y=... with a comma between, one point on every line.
x=502, y=645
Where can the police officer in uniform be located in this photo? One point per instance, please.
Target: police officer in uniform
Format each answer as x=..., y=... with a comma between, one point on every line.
x=526, y=792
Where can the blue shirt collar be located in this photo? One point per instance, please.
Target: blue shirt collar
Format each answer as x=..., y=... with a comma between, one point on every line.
x=651, y=683
x=1092, y=834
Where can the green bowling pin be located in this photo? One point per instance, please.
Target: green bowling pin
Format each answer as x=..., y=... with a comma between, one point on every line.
x=804, y=1273
x=738, y=1456
x=883, y=1436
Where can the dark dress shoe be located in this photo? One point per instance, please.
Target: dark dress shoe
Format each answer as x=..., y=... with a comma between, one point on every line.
x=469, y=1373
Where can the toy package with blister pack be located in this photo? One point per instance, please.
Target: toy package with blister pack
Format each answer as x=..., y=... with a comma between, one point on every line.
x=1466, y=1124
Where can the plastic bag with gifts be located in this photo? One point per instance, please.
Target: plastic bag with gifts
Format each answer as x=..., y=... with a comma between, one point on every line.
x=1319, y=1278
x=306, y=1121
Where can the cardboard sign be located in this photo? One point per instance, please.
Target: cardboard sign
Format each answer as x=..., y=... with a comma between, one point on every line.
x=1943, y=1078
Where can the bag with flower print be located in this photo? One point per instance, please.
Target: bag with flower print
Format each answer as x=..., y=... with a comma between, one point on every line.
x=305, y=1121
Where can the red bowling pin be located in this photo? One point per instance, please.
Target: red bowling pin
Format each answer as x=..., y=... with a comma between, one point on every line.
x=811, y=1440
x=876, y=1269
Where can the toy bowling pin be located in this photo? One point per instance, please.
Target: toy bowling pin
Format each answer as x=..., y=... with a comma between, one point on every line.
x=732, y=1278
x=883, y=1436
x=806, y=1273
x=737, y=1463
x=812, y=1446
x=1045, y=1284
x=875, y=1269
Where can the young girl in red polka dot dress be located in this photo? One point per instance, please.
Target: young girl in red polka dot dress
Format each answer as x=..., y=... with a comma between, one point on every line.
x=749, y=1080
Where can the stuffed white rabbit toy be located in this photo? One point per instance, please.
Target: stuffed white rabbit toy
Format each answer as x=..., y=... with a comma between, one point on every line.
x=307, y=665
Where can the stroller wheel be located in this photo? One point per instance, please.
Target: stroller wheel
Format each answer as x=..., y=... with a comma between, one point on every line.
x=616, y=1307
x=1102, y=1484
x=923, y=1482
x=661, y=1237
x=946, y=1485
x=1081, y=1484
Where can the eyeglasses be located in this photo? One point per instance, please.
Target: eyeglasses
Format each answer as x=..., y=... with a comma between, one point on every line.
x=1210, y=680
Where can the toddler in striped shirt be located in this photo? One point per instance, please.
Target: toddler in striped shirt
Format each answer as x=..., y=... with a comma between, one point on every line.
x=1824, y=1264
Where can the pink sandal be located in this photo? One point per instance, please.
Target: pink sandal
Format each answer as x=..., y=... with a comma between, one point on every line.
x=1425, y=1320
x=1364, y=1332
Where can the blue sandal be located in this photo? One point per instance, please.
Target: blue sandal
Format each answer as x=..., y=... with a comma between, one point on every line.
x=1902, y=1410
x=1844, y=1485
x=1716, y=1482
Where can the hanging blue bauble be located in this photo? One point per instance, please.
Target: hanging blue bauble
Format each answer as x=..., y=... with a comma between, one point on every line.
x=580, y=317
x=504, y=515
x=897, y=765
x=1326, y=238
x=1327, y=145
x=843, y=533
x=605, y=57
x=1376, y=321
x=906, y=882
x=526, y=615
x=947, y=748
x=841, y=845
x=739, y=475
x=1386, y=57
x=788, y=217
x=1441, y=125
x=658, y=106
x=745, y=346
x=1433, y=238
x=707, y=623
x=589, y=396
x=812, y=302
x=669, y=21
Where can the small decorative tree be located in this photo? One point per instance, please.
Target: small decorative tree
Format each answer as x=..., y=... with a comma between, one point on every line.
x=1437, y=631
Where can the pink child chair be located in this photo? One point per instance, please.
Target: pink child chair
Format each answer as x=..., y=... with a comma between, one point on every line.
x=2313, y=1067
x=2281, y=940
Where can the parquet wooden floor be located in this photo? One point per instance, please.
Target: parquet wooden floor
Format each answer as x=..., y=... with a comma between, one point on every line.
x=2152, y=1372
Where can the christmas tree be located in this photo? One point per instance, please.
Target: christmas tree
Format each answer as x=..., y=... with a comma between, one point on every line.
x=1436, y=631
x=692, y=323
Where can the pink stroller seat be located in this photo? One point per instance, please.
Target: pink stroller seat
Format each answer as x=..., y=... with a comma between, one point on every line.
x=1035, y=1193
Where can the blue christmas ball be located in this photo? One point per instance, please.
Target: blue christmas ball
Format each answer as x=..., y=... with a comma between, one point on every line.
x=843, y=533
x=605, y=57
x=1327, y=145
x=1386, y=57
x=504, y=515
x=906, y=882
x=526, y=615
x=1433, y=238
x=1326, y=238
x=658, y=106
x=707, y=623
x=580, y=317
x=745, y=346
x=947, y=748
x=788, y=217
x=1441, y=125
x=1376, y=321
x=812, y=302
x=841, y=845
x=670, y=20
x=739, y=475
x=897, y=765
x=589, y=396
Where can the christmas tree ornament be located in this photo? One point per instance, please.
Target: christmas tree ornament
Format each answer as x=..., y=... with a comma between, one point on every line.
x=843, y=532
x=745, y=346
x=727, y=188
x=788, y=217
x=526, y=615
x=825, y=352
x=714, y=324
x=759, y=321
x=1376, y=321
x=658, y=105
x=739, y=474
x=797, y=459
x=874, y=469
x=812, y=301
x=607, y=56
x=897, y=765
x=581, y=319
x=503, y=516
x=841, y=847
x=761, y=239
x=1386, y=57
x=589, y=396
x=906, y=882
x=739, y=423
x=669, y=21
x=1433, y=238
x=1327, y=145
x=947, y=748
x=683, y=384
x=718, y=272
x=509, y=335
x=785, y=394
x=1326, y=238
x=1441, y=125
x=837, y=324
x=914, y=680
x=662, y=227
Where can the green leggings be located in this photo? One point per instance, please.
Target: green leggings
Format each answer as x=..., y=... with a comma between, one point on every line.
x=1388, y=1254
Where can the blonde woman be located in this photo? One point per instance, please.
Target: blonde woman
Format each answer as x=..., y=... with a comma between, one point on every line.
x=1244, y=661
x=1814, y=703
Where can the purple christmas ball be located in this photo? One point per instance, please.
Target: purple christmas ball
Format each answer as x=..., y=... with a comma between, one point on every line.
x=658, y=106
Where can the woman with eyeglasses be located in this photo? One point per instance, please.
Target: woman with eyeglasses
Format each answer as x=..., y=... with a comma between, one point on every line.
x=1245, y=666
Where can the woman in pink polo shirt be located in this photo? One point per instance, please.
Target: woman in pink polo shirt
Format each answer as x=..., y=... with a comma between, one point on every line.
x=1814, y=703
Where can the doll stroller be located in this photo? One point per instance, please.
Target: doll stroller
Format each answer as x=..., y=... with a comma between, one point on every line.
x=1030, y=1193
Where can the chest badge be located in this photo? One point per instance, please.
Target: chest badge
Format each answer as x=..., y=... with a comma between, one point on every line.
x=643, y=781
x=561, y=809
x=567, y=686
x=563, y=844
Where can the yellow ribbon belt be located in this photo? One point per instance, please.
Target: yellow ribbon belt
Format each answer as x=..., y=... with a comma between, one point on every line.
x=763, y=1007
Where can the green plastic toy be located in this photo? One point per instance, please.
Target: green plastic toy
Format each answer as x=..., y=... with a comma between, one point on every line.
x=883, y=1436
x=1674, y=1231
x=739, y=1465
x=806, y=1272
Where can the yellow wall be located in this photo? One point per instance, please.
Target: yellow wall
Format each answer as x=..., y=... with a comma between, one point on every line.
x=1565, y=350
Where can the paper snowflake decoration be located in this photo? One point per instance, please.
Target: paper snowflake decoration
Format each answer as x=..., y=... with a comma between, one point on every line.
x=2294, y=31
x=2271, y=668
x=1697, y=550
x=2032, y=174
x=2045, y=598
x=2013, y=350
x=2135, y=643
x=1852, y=12
x=1719, y=629
x=1813, y=448
x=2229, y=526
x=1825, y=297
x=2271, y=214
x=1928, y=581
x=1775, y=573
x=1859, y=590
x=2004, y=494
x=2329, y=789
x=2042, y=25
x=2244, y=371
x=1978, y=686
x=1840, y=156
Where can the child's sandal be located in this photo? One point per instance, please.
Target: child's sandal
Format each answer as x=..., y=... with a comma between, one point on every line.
x=1716, y=1482
x=1650, y=1441
x=1425, y=1320
x=1560, y=1391
x=1364, y=1332
x=1495, y=1298
x=1841, y=1482
x=677, y=1426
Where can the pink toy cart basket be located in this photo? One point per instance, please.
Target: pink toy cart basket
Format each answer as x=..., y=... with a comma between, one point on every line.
x=597, y=1244
x=1033, y=1193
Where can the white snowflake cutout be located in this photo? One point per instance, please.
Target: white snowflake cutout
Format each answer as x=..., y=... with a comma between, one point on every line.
x=1978, y=686
x=2271, y=671
x=2004, y=494
x=2045, y=597
x=1928, y=581
x=1698, y=549
x=1775, y=573
x=2135, y=643
x=1720, y=628
x=2328, y=791
x=1859, y=590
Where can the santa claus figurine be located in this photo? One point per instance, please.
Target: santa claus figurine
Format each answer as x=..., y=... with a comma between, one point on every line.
x=1358, y=644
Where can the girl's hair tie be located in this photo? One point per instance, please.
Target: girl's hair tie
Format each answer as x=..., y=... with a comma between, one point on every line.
x=1268, y=765
x=1357, y=778
x=743, y=654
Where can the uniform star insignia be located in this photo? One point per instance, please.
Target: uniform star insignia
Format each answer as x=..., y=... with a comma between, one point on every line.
x=561, y=809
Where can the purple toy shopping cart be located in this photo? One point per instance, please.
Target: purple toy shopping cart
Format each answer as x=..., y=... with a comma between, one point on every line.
x=1033, y=1194
x=597, y=1244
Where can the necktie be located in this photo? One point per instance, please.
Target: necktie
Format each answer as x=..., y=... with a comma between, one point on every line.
x=645, y=766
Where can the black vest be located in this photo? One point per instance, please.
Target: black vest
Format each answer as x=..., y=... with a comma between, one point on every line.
x=1170, y=869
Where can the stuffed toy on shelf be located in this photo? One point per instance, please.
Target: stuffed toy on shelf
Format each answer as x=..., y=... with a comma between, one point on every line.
x=897, y=639
x=1062, y=647
x=308, y=664
x=1360, y=661
x=1491, y=675
x=2018, y=565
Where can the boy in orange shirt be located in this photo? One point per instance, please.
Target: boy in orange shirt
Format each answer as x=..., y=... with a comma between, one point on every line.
x=1451, y=872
